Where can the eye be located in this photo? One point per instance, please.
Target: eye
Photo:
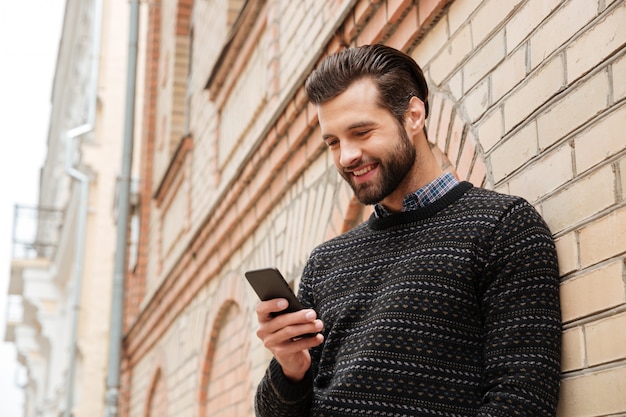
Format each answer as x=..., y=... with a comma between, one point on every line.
x=331, y=142
x=362, y=133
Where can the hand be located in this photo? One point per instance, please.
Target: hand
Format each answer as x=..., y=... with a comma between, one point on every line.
x=280, y=334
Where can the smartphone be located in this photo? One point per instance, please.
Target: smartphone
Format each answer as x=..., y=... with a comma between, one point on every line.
x=269, y=283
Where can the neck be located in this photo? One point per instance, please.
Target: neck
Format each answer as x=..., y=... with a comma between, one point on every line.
x=425, y=170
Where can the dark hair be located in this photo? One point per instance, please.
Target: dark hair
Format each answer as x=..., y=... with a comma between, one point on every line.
x=397, y=75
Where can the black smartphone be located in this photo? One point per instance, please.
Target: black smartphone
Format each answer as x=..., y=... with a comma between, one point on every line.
x=269, y=283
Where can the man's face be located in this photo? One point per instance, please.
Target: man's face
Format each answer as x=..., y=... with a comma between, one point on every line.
x=370, y=148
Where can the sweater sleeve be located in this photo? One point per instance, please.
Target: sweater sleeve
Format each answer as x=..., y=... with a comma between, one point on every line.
x=521, y=312
x=277, y=396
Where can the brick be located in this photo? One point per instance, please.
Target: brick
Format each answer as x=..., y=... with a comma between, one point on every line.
x=478, y=174
x=594, y=45
x=314, y=146
x=542, y=85
x=295, y=165
x=311, y=111
x=573, y=350
x=489, y=16
x=485, y=59
x=277, y=157
x=592, y=292
x=568, y=207
x=456, y=134
x=559, y=27
x=335, y=8
x=601, y=140
x=622, y=178
x=375, y=28
x=281, y=125
x=396, y=8
x=619, y=75
x=349, y=29
x=440, y=159
x=467, y=156
x=569, y=113
x=546, y=174
x=603, y=5
x=526, y=20
x=405, y=32
x=334, y=45
x=298, y=130
x=459, y=46
x=604, y=238
x=508, y=74
x=455, y=84
x=429, y=9
x=490, y=130
x=437, y=37
x=362, y=11
x=599, y=393
x=477, y=102
x=567, y=251
x=514, y=152
x=606, y=340
x=444, y=124
x=433, y=117
x=459, y=12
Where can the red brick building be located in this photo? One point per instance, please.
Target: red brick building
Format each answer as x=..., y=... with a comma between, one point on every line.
x=528, y=98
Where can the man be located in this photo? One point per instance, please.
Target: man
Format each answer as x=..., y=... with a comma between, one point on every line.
x=444, y=303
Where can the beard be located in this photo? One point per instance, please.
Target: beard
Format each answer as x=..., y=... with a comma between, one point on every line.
x=393, y=168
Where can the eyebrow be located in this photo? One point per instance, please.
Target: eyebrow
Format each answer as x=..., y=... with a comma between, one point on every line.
x=356, y=125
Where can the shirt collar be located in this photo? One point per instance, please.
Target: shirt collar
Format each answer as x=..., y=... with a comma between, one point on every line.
x=426, y=195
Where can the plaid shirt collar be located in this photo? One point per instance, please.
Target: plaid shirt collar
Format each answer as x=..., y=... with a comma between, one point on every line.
x=424, y=196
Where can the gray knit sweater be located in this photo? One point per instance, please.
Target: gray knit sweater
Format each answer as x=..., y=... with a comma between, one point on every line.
x=449, y=310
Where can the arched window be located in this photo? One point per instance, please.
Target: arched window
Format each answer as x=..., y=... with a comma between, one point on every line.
x=157, y=397
x=225, y=386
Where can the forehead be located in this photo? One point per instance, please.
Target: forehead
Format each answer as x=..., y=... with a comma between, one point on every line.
x=357, y=104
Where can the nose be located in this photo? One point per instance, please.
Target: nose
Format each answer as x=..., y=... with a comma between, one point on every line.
x=350, y=154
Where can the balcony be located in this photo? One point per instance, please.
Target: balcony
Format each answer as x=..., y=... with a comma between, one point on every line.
x=36, y=232
x=36, y=235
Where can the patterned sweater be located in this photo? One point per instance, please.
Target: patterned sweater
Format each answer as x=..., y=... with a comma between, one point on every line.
x=448, y=310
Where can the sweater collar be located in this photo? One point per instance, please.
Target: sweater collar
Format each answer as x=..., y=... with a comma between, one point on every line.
x=420, y=213
x=426, y=195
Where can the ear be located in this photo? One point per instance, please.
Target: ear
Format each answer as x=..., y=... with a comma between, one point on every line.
x=415, y=116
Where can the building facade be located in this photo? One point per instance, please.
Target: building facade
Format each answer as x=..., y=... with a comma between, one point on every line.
x=528, y=98
x=62, y=266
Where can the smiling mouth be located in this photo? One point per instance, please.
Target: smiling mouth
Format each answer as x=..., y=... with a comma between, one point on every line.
x=364, y=170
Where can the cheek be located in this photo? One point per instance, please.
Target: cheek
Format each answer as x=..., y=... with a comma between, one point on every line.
x=336, y=155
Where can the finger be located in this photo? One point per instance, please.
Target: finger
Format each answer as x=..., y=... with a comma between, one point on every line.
x=300, y=343
x=295, y=332
x=265, y=309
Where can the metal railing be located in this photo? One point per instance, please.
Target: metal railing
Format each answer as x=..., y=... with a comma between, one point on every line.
x=36, y=231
